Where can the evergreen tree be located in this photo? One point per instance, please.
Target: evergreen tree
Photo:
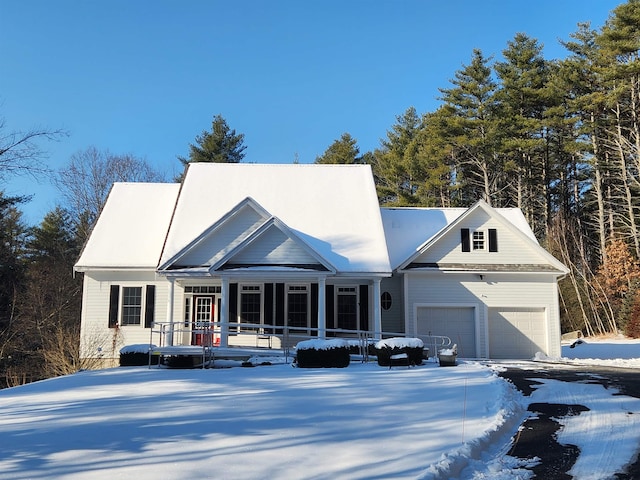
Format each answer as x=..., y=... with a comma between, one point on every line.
x=586, y=89
x=13, y=234
x=523, y=76
x=620, y=44
x=472, y=130
x=52, y=299
x=398, y=168
x=342, y=151
x=220, y=145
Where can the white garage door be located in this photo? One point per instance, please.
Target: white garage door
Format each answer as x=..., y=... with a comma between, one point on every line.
x=457, y=323
x=517, y=332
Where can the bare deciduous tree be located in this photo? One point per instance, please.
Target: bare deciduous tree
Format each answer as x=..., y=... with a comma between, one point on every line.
x=20, y=152
x=87, y=179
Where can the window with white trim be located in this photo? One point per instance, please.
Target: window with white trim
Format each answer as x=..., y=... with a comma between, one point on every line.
x=250, y=305
x=131, y=313
x=478, y=240
x=298, y=306
x=347, y=308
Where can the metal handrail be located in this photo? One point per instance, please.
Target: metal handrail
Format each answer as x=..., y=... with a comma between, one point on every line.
x=287, y=335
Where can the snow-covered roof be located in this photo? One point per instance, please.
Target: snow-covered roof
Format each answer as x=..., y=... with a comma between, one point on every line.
x=408, y=228
x=333, y=208
x=131, y=228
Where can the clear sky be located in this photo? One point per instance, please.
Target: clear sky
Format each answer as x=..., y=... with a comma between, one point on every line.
x=146, y=76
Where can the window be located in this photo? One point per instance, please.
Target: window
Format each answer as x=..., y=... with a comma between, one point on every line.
x=127, y=305
x=203, y=289
x=385, y=301
x=250, y=304
x=478, y=240
x=187, y=311
x=347, y=308
x=298, y=306
x=131, y=306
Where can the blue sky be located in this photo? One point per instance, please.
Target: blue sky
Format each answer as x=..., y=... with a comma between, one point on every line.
x=145, y=77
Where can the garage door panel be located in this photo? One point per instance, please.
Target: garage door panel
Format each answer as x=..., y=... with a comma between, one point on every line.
x=517, y=332
x=457, y=323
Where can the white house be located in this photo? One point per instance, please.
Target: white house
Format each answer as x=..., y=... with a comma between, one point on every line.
x=266, y=251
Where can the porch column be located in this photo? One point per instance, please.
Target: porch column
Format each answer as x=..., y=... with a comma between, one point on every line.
x=377, y=315
x=170, y=304
x=224, y=313
x=322, y=317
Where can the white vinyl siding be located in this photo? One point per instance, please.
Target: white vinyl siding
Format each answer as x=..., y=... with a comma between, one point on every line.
x=393, y=319
x=273, y=247
x=225, y=238
x=96, y=336
x=511, y=248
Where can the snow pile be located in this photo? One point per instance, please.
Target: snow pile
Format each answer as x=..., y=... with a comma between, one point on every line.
x=399, y=342
x=449, y=351
x=137, y=348
x=319, y=344
x=616, y=351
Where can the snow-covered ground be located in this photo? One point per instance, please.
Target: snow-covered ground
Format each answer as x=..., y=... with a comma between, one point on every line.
x=363, y=421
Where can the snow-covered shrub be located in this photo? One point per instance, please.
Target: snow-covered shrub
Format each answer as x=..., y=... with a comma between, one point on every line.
x=318, y=353
x=388, y=347
x=137, y=355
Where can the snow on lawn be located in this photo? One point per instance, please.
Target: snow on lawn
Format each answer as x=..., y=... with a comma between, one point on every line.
x=363, y=421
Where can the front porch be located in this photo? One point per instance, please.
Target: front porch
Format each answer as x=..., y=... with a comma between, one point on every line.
x=247, y=341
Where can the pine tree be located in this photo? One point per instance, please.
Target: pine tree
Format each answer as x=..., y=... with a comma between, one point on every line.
x=342, y=151
x=397, y=167
x=220, y=145
x=620, y=43
x=523, y=76
x=472, y=130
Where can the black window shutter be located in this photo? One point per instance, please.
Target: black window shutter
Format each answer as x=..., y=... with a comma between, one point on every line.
x=493, y=240
x=364, y=307
x=464, y=237
x=233, y=302
x=149, y=305
x=114, y=300
x=268, y=303
x=280, y=304
x=328, y=310
x=314, y=305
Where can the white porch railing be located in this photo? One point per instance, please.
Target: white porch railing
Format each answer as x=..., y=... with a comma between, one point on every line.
x=277, y=337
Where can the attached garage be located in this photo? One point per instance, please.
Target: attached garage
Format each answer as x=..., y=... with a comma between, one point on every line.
x=457, y=323
x=517, y=332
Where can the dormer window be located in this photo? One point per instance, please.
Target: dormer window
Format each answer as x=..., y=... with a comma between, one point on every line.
x=477, y=240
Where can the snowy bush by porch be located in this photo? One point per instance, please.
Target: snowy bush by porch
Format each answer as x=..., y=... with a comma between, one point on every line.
x=388, y=347
x=137, y=355
x=317, y=353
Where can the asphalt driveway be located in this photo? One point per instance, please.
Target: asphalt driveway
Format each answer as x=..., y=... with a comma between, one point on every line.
x=537, y=437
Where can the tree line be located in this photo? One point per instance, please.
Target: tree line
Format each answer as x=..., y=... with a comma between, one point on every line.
x=559, y=139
